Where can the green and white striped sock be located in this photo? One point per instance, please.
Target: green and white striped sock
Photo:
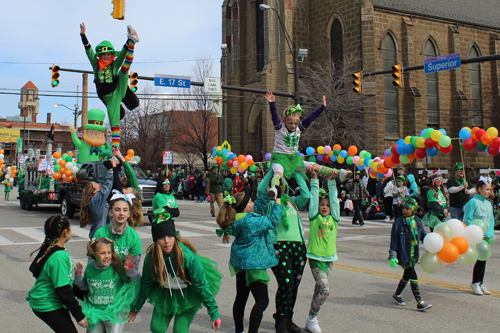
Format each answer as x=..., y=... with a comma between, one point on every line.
x=326, y=171
x=275, y=181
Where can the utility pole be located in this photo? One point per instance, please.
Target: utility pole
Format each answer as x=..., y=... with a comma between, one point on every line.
x=223, y=135
x=85, y=103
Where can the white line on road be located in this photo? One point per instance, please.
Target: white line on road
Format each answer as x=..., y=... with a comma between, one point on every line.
x=5, y=241
x=33, y=233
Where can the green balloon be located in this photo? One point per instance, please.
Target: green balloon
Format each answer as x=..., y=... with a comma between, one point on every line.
x=56, y=168
x=430, y=262
x=483, y=250
x=253, y=174
x=362, y=154
x=370, y=163
x=224, y=166
x=253, y=168
x=336, y=152
x=480, y=146
x=481, y=224
x=312, y=159
x=469, y=257
x=413, y=141
x=445, y=141
x=404, y=159
x=68, y=158
x=219, y=152
x=269, y=164
x=349, y=160
x=367, y=155
x=428, y=132
x=445, y=231
x=225, y=157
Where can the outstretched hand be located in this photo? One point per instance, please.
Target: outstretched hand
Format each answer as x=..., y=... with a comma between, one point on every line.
x=216, y=324
x=314, y=174
x=324, y=100
x=72, y=129
x=270, y=97
x=129, y=262
x=83, y=29
x=78, y=268
x=393, y=262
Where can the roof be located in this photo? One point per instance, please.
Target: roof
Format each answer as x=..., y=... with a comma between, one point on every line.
x=477, y=12
x=29, y=85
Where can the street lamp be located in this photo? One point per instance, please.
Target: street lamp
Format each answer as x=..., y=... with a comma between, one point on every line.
x=294, y=50
x=75, y=111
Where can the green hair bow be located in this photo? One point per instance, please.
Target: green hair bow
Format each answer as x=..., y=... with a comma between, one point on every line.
x=227, y=231
x=293, y=109
x=161, y=215
x=322, y=193
x=229, y=199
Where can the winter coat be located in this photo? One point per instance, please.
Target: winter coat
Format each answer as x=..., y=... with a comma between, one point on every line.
x=356, y=189
x=413, y=191
x=401, y=240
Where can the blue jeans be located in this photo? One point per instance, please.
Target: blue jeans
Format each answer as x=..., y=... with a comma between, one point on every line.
x=201, y=197
x=457, y=213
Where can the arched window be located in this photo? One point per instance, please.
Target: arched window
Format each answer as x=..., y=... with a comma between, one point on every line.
x=476, y=105
x=431, y=88
x=337, y=44
x=391, y=106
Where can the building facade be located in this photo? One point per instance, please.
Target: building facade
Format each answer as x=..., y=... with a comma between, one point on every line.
x=381, y=33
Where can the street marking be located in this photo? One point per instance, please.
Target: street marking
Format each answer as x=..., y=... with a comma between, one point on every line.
x=196, y=226
x=80, y=232
x=33, y=233
x=5, y=241
x=443, y=284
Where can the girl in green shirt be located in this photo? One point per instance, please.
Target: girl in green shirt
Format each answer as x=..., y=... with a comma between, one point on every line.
x=436, y=202
x=52, y=297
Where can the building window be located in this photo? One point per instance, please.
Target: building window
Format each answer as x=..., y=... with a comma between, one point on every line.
x=391, y=105
x=476, y=105
x=260, y=35
x=337, y=45
x=431, y=88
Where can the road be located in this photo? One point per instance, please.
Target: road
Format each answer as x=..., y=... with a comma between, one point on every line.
x=360, y=290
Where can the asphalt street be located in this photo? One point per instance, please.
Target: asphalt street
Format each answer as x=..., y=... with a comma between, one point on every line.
x=360, y=289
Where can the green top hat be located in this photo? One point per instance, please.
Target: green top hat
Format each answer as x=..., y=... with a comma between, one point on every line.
x=458, y=166
x=95, y=120
x=105, y=47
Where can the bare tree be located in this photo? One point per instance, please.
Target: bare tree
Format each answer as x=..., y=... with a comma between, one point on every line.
x=188, y=159
x=343, y=121
x=196, y=124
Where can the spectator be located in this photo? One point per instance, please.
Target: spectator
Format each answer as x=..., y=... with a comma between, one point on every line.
x=207, y=186
x=228, y=184
x=458, y=188
x=200, y=185
x=371, y=187
x=388, y=197
x=436, y=202
x=345, y=204
x=356, y=190
x=379, y=189
x=399, y=194
x=192, y=186
x=413, y=191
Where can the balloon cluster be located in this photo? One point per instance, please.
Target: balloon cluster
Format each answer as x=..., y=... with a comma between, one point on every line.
x=480, y=140
x=131, y=156
x=235, y=163
x=451, y=240
x=65, y=168
x=2, y=166
x=10, y=173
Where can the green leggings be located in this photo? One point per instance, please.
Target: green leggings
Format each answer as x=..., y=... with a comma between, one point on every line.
x=182, y=321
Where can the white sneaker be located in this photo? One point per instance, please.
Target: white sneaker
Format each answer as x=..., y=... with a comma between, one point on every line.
x=312, y=325
x=272, y=193
x=130, y=36
x=344, y=174
x=476, y=288
x=485, y=291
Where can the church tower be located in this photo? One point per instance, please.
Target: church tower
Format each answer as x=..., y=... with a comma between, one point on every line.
x=30, y=103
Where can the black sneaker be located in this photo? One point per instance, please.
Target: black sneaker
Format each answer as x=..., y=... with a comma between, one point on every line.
x=398, y=299
x=422, y=306
x=361, y=223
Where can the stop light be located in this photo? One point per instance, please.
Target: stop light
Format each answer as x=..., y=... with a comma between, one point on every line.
x=55, y=76
x=118, y=9
x=133, y=81
x=398, y=75
x=357, y=88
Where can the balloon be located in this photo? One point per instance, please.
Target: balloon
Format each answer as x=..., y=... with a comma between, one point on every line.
x=431, y=152
x=68, y=178
x=248, y=158
x=62, y=163
x=481, y=224
x=268, y=156
x=336, y=152
x=469, y=257
x=327, y=149
x=137, y=159
x=74, y=170
x=449, y=253
x=333, y=158
x=433, y=242
x=250, y=163
x=62, y=170
x=340, y=159
x=128, y=158
x=395, y=159
x=492, y=150
x=479, y=133
x=429, y=143
x=9, y=184
x=320, y=157
x=387, y=153
x=404, y=159
x=68, y=158
x=218, y=148
x=464, y=134
x=430, y=262
x=241, y=158
x=68, y=172
x=457, y=226
x=57, y=155
x=327, y=159
x=234, y=170
x=382, y=168
x=312, y=159
x=428, y=132
x=483, y=250
x=496, y=142
x=486, y=139
x=492, y=131
x=480, y=146
x=321, y=150
x=420, y=153
x=349, y=160
x=473, y=234
x=2, y=151
x=69, y=165
x=214, y=153
x=447, y=149
x=229, y=163
x=436, y=134
x=56, y=175
x=355, y=159
x=343, y=153
x=469, y=144
x=388, y=173
x=444, y=141
x=461, y=244
x=337, y=147
x=445, y=231
x=236, y=164
x=420, y=142
x=352, y=150
x=310, y=151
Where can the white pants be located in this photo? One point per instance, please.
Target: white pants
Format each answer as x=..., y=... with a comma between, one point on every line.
x=107, y=327
x=277, y=167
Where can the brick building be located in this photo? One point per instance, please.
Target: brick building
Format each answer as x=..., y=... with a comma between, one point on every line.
x=382, y=33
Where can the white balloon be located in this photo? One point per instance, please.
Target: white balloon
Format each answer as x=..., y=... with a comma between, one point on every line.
x=457, y=226
x=69, y=165
x=74, y=170
x=473, y=234
x=433, y=242
x=443, y=263
x=2, y=156
x=11, y=180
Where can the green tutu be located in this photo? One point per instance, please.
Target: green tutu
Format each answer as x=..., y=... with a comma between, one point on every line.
x=166, y=304
x=252, y=275
x=289, y=162
x=116, y=312
x=431, y=220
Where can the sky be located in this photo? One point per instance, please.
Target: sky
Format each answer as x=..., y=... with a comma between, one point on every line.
x=38, y=34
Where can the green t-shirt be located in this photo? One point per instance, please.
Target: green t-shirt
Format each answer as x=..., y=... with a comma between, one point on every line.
x=161, y=200
x=440, y=198
x=294, y=233
x=128, y=243
x=322, y=237
x=103, y=285
x=57, y=272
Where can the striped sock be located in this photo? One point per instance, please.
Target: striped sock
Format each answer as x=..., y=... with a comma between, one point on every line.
x=325, y=171
x=275, y=181
x=129, y=58
x=415, y=290
x=402, y=284
x=115, y=134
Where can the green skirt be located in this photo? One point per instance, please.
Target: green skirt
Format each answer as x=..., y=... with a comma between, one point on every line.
x=289, y=162
x=431, y=220
x=252, y=275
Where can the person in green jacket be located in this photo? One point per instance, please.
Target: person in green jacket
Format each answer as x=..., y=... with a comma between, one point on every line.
x=436, y=202
x=43, y=184
x=324, y=217
x=7, y=190
x=164, y=197
x=176, y=280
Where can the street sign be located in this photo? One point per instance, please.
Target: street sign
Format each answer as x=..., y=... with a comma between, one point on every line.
x=442, y=63
x=164, y=80
x=168, y=157
x=226, y=145
x=212, y=85
x=217, y=102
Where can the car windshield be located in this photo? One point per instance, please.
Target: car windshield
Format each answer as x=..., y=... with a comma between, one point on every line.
x=139, y=173
x=101, y=171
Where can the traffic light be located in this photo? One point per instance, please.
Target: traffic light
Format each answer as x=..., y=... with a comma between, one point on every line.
x=398, y=75
x=357, y=85
x=133, y=81
x=55, y=76
x=118, y=9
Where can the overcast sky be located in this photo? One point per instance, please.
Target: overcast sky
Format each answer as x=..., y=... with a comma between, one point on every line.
x=37, y=34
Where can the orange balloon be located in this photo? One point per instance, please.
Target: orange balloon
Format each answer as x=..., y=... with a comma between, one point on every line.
x=449, y=253
x=68, y=173
x=71, y=154
x=486, y=139
x=353, y=150
x=241, y=158
x=9, y=184
x=62, y=163
x=381, y=168
x=250, y=162
x=128, y=158
x=130, y=152
x=461, y=244
x=219, y=162
x=473, y=132
x=2, y=151
x=68, y=179
x=337, y=146
x=13, y=168
x=56, y=175
x=57, y=155
x=62, y=170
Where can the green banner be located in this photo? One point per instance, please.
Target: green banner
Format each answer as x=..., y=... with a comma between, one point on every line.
x=19, y=145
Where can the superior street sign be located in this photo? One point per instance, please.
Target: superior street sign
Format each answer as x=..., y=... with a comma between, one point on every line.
x=442, y=63
x=165, y=80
